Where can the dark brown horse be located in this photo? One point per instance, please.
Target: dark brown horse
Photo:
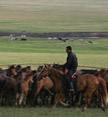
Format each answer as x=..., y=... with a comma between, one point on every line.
x=101, y=73
x=7, y=89
x=87, y=82
x=104, y=74
x=11, y=71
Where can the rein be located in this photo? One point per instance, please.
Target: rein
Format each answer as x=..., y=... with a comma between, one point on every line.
x=49, y=90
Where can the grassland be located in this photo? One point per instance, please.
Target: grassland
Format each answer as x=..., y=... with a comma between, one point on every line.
x=54, y=15
x=47, y=112
x=53, y=51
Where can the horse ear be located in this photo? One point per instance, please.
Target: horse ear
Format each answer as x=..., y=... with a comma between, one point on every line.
x=29, y=67
x=98, y=70
x=34, y=72
x=46, y=66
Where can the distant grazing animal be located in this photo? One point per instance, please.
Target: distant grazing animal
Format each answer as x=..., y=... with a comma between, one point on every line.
x=81, y=40
x=71, y=40
x=90, y=42
x=50, y=38
x=64, y=40
x=23, y=39
x=59, y=38
x=13, y=39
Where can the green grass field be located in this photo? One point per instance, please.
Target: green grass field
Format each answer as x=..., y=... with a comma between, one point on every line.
x=47, y=112
x=53, y=51
x=54, y=16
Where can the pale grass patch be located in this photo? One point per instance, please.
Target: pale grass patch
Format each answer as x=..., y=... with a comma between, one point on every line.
x=84, y=59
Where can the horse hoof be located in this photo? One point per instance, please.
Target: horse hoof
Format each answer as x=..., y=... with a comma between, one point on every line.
x=16, y=104
x=24, y=105
x=53, y=108
x=33, y=104
x=69, y=106
x=95, y=106
x=84, y=109
x=103, y=108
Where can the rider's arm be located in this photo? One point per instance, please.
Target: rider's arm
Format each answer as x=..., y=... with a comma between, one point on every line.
x=68, y=63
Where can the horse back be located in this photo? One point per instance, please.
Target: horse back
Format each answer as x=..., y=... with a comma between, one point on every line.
x=86, y=81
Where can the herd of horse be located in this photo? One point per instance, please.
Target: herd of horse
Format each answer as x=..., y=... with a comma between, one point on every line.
x=22, y=86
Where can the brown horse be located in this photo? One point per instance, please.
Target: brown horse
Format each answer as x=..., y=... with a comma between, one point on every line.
x=87, y=82
x=101, y=88
x=104, y=74
x=22, y=89
x=101, y=73
x=106, y=80
x=45, y=83
x=43, y=90
x=11, y=71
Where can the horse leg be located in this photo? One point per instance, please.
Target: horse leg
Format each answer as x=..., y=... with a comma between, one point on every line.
x=43, y=98
x=1, y=97
x=17, y=96
x=100, y=100
x=88, y=95
x=59, y=99
x=70, y=99
x=55, y=101
x=52, y=99
x=21, y=99
x=79, y=100
x=39, y=87
x=47, y=98
x=25, y=97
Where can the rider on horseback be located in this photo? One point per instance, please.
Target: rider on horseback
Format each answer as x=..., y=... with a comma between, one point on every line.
x=71, y=66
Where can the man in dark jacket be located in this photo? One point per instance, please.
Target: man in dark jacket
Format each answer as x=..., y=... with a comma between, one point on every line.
x=71, y=65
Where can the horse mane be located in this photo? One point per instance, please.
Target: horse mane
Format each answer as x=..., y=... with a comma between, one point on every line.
x=27, y=77
x=56, y=72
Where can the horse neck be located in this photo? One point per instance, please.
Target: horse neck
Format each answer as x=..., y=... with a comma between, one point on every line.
x=55, y=74
x=27, y=80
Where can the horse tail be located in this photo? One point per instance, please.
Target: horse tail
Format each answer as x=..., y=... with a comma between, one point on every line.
x=103, y=87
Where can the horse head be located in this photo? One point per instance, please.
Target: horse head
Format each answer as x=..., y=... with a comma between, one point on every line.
x=44, y=73
x=101, y=73
x=11, y=71
x=29, y=78
x=18, y=68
